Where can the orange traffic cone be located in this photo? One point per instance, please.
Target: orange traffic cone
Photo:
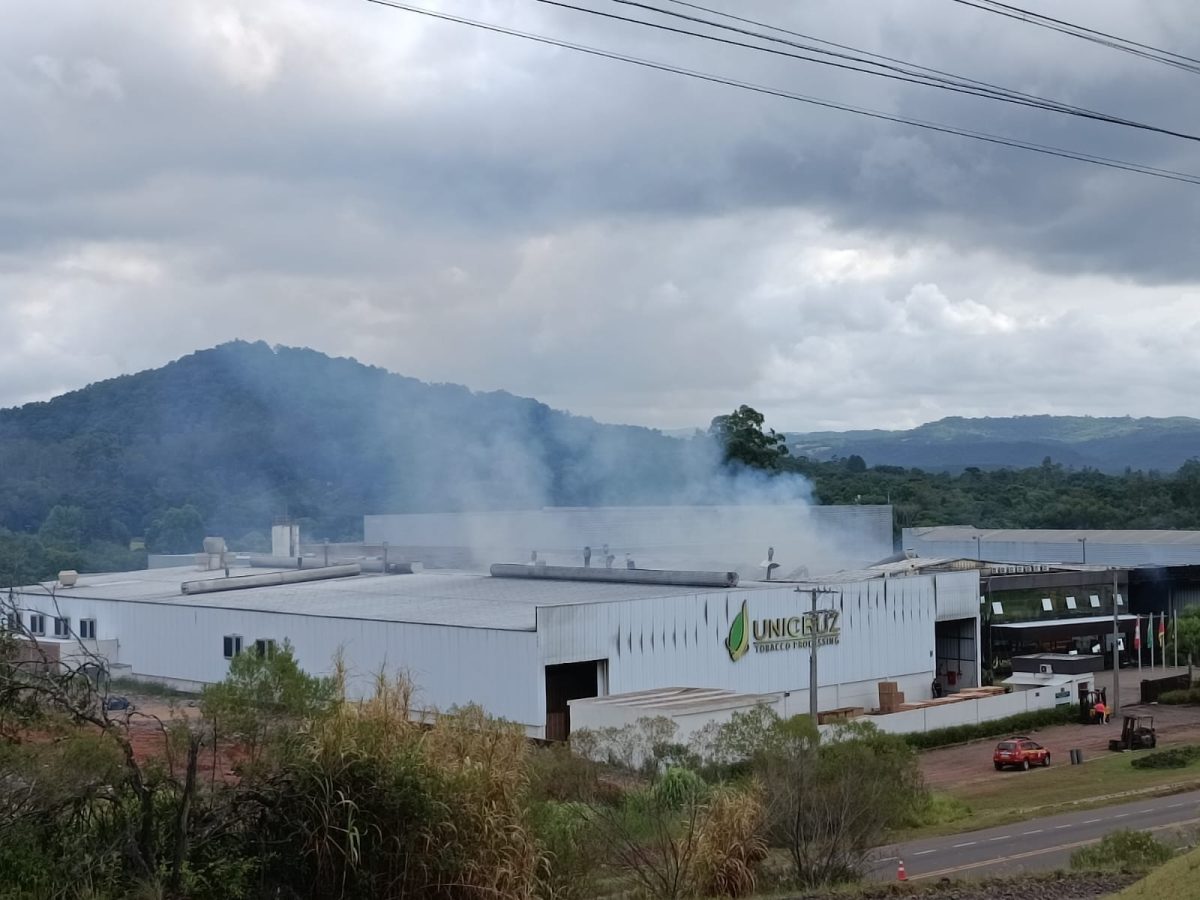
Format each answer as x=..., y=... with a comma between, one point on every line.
x=901, y=875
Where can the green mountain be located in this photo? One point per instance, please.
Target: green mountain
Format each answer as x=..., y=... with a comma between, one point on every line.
x=956, y=443
x=226, y=439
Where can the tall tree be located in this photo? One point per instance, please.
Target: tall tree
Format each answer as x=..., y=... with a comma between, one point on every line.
x=744, y=441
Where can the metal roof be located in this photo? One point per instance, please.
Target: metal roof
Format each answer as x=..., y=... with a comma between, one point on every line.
x=1033, y=679
x=434, y=598
x=1053, y=536
x=1053, y=623
x=681, y=700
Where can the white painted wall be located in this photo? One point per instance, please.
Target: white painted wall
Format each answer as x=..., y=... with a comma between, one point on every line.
x=965, y=712
x=183, y=644
x=887, y=633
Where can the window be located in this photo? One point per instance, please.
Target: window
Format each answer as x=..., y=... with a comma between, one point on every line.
x=37, y=624
x=264, y=647
x=13, y=621
x=233, y=645
x=87, y=629
x=62, y=627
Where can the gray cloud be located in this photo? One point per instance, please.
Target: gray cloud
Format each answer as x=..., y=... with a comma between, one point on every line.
x=465, y=207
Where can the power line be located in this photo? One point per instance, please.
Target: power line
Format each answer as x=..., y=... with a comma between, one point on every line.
x=951, y=83
x=1016, y=143
x=1115, y=42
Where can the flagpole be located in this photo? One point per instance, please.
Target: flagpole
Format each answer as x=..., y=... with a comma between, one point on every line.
x=1151, y=636
x=1137, y=641
x=1175, y=638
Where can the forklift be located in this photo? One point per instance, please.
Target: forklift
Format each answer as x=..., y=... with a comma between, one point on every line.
x=1137, y=733
x=1087, y=701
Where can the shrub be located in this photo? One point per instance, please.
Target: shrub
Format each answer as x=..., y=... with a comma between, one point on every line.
x=557, y=773
x=936, y=809
x=830, y=802
x=678, y=788
x=1175, y=758
x=1122, y=851
x=730, y=846
x=1187, y=695
x=1023, y=722
x=572, y=850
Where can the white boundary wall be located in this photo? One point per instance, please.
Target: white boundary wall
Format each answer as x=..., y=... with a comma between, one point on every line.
x=965, y=712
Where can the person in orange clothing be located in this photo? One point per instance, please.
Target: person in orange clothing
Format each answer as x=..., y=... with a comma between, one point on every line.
x=1100, y=712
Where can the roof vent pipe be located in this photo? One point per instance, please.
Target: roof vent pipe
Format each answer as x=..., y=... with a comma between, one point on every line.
x=267, y=579
x=619, y=576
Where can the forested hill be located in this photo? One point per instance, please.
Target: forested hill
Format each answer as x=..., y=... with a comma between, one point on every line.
x=244, y=432
x=954, y=444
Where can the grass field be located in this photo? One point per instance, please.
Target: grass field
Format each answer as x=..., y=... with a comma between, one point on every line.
x=1177, y=880
x=1015, y=796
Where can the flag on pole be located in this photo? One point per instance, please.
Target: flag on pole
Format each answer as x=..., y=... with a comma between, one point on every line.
x=1137, y=633
x=1162, y=632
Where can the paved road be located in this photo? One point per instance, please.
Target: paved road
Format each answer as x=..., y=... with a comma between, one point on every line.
x=1032, y=846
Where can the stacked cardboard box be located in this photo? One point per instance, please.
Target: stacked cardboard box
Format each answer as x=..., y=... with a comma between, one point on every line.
x=890, y=697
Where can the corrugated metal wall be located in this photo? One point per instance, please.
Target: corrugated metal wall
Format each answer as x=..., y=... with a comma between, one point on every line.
x=448, y=665
x=823, y=538
x=887, y=630
x=1100, y=554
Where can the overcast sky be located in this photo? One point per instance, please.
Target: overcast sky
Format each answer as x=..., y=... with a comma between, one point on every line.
x=627, y=244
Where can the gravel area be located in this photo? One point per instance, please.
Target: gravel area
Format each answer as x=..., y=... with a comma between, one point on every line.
x=968, y=764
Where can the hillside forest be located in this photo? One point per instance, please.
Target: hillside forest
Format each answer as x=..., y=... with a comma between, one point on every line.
x=224, y=440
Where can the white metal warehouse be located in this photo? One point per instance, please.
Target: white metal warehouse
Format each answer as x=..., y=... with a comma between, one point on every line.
x=1035, y=545
x=523, y=647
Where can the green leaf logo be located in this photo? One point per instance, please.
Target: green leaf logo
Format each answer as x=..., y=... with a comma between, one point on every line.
x=738, y=641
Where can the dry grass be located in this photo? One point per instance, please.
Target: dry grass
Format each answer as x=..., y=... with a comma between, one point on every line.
x=730, y=846
x=477, y=842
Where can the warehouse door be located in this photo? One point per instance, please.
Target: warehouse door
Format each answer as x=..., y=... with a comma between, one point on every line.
x=567, y=682
x=956, y=655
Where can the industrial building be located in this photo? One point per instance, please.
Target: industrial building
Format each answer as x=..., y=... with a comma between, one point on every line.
x=1046, y=581
x=1125, y=549
x=808, y=538
x=527, y=639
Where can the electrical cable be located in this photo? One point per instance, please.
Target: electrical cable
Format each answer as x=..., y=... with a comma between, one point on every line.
x=1016, y=143
x=950, y=83
x=1125, y=45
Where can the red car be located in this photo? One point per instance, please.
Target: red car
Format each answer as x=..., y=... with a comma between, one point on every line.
x=1020, y=752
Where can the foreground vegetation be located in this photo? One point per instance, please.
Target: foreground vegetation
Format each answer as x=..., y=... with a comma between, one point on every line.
x=280, y=784
x=1179, y=878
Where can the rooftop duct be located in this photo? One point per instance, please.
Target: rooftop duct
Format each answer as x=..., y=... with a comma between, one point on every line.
x=312, y=562
x=268, y=579
x=618, y=576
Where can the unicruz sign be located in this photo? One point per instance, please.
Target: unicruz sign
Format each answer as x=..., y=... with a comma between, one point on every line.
x=820, y=629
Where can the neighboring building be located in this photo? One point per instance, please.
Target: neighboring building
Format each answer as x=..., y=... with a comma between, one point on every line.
x=523, y=647
x=1125, y=549
x=1157, y=573
x=805, y=537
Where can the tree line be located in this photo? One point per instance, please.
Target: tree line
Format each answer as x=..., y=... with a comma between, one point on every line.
x=1045, y=496
x=88, y=527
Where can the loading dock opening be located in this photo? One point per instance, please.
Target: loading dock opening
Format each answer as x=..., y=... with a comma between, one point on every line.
x=571, y=681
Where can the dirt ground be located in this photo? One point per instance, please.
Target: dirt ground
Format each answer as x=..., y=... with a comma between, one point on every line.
x=148, y=740
x=969, y=764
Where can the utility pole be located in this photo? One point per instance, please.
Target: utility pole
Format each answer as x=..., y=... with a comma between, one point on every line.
x=1115, y=703
x=812, y=653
